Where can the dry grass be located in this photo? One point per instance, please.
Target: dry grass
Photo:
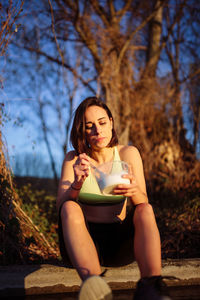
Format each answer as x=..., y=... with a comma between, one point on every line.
x=21, y=241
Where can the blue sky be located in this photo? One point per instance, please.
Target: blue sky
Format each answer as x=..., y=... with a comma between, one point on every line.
x=24, y=137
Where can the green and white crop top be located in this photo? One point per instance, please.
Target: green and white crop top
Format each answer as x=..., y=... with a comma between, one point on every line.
x=90, y=192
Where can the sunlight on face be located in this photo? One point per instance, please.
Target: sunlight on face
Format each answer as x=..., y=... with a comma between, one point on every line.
x=98, y=127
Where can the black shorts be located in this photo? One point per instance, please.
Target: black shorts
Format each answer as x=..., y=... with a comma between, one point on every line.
x=113, y=241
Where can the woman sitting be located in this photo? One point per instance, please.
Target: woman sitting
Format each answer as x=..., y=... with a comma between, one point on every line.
x=94, y=230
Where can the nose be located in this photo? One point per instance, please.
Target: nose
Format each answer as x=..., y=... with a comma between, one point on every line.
x=97, y=129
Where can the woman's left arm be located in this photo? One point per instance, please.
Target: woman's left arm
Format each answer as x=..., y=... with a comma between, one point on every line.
x=136, y=190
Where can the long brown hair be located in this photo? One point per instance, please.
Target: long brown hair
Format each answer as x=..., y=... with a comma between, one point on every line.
x=78, y=137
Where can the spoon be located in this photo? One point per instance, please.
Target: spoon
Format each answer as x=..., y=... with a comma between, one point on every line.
x=102, y=174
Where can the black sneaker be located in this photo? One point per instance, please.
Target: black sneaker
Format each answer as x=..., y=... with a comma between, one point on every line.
x=151, y=288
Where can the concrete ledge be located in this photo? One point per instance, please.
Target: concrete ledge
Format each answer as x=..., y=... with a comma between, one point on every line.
x=24, y=280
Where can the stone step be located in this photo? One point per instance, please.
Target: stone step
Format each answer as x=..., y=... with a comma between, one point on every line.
x=32, y=280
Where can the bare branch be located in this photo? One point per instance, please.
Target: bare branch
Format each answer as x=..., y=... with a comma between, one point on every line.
x=100, y=12
x=54, y=33
x=56, y=60
x=86, y=35
x=171, y=27
x=112, y=8
x=6, y=31
x=122, y=11
x=129, y=39
x=190, y=76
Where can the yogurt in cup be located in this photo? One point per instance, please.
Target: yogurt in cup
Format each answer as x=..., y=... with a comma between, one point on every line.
x=109, y=175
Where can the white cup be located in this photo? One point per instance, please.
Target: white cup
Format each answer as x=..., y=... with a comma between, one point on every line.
x=109, y=175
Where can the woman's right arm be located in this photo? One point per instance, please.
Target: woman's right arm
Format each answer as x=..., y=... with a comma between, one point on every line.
x=74, y=171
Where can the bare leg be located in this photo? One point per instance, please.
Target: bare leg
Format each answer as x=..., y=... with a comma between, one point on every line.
x=78, y=242
x=147, y=241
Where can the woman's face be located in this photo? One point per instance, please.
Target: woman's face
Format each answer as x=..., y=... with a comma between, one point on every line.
x=98, y=127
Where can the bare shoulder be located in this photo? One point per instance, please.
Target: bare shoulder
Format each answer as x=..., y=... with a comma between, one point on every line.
x=128, y=152
x=131, y=155
x=67, y=166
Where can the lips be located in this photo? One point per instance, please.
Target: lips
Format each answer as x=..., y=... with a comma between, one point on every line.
x=100, y=139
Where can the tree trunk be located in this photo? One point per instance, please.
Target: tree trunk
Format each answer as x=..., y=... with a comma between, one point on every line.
x=146, y=89
x=117, y=96
x=154, y=39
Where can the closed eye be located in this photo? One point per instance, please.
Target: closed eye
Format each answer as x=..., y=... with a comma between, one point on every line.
x=89, y=126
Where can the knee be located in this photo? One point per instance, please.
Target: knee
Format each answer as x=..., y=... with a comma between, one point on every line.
x=143, y=212
x=71, y=212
